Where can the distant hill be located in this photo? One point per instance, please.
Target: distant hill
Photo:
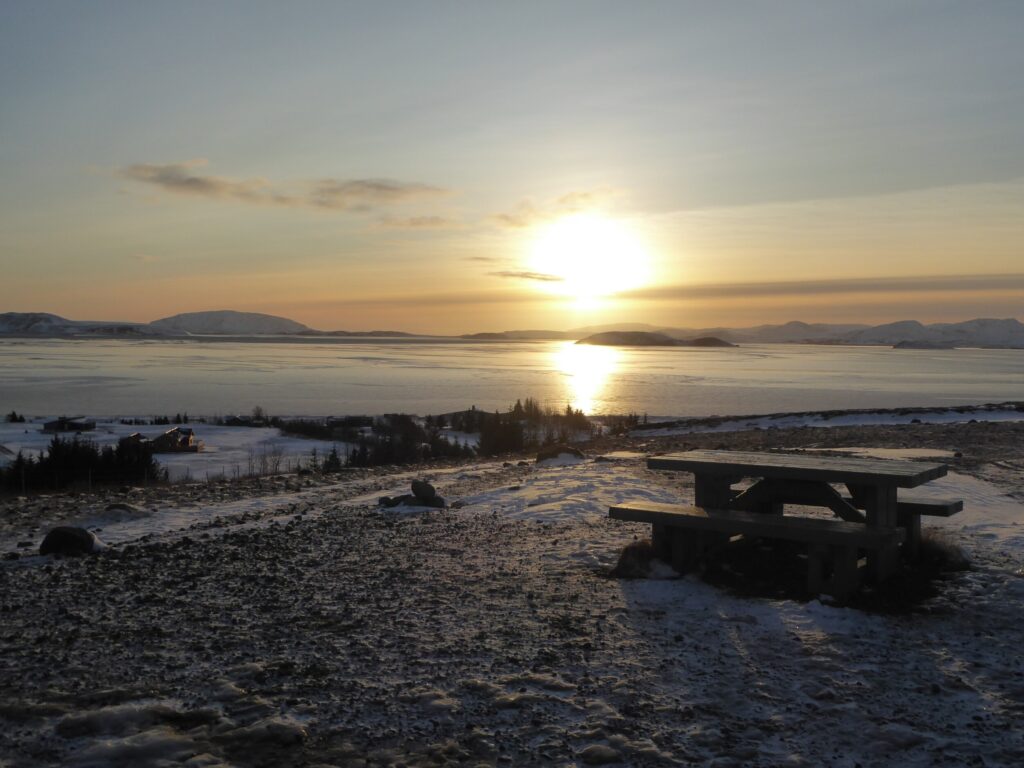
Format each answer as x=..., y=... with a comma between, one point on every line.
x=521, y=336
x=794, y=332
x=33, y=323
x=922, y=345
x=1006, y=333
x=649, y=339
x=359, y=334
x=907, y=334
x=706, y=341
x=49, y=325
x=982, y=332
x=226, y=321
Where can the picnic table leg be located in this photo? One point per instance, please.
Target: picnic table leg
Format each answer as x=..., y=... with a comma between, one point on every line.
x=841, y=561
x=845, y=575
x=880, y=509
x=686, y=549
x=712, y=491
x=661, y=541
x=912, y=525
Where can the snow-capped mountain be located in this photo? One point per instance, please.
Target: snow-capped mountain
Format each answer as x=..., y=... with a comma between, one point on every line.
x=34, y=323
x=981, y=332
x=971, y=333
x=227, y=321
x=46, y=324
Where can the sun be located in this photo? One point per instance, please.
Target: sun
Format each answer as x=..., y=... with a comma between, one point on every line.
x=588, y=257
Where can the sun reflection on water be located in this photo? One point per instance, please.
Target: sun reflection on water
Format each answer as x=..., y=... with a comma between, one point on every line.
x=587, y=369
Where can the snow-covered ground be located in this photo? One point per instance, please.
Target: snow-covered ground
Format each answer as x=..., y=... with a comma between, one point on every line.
x=323, y=630
x=227, y=451
x=843, y=419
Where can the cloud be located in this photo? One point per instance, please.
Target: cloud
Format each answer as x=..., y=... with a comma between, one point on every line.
x=925, y=284
x=524, y=275
x=419, y=222
x=528, y=213
x=525, y=215
x=144, y=258
x=484, y=259
x=325, y=194
x=363, y=194
x=465, y=298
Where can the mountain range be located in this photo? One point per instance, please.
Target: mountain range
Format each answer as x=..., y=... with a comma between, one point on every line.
x=981, y=332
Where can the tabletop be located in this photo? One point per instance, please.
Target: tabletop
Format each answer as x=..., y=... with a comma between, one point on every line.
x=829, y=469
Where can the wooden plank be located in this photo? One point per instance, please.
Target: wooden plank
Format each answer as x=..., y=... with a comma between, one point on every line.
x=915, y=505
x=904, y=474
x=754, y=524
x=807, y=493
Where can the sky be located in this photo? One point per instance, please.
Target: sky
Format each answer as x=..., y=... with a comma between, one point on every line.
x=452, y=167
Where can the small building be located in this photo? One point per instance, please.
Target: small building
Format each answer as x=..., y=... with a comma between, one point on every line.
x=69, y=424
x=177, y=440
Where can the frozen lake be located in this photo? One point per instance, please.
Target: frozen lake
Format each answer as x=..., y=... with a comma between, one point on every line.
x=112, y=378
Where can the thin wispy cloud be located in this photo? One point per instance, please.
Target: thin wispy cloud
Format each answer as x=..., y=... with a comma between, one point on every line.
x=419, y=222
x=525, y=275
x=453, y=298
x=908, y=285
x=356, y=195
x=528, y=213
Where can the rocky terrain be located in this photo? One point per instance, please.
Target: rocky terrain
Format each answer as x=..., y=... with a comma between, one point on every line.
x=292, y=621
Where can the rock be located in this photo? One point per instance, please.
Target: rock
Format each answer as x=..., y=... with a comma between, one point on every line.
x=554, y=451
x=599, y=754
x=408, y=500
x=120, y=506
x=70, y=540
x=11, y=556
x=423, y=490
x=635, y=560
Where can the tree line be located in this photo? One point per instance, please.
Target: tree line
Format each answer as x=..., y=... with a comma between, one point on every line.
x=74, y=462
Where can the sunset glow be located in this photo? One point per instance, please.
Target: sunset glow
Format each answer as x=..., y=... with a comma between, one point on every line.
x=587, y=370
x=589, y=257
x=541, y=173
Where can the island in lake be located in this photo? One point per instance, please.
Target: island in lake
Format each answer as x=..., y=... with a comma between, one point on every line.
x=649, y=339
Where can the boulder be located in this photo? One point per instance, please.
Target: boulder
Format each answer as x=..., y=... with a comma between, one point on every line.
x=71, y=541
x=554, y=451
x=423, y=490
x=635, y=560
x=409, y=500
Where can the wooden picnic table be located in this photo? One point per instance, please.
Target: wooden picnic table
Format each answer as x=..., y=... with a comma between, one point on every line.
x=801, y=479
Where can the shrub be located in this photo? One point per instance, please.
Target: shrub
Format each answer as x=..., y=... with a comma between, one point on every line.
x=75, y=462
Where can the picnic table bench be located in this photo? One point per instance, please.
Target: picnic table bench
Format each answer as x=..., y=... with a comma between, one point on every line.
x=874, y=519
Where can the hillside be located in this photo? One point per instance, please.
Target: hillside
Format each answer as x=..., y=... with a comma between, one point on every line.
x=972, y=333
x=905, y=334
x=648, y=339
x=228, y=322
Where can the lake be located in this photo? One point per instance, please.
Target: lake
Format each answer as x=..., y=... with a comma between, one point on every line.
x=318, y=378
